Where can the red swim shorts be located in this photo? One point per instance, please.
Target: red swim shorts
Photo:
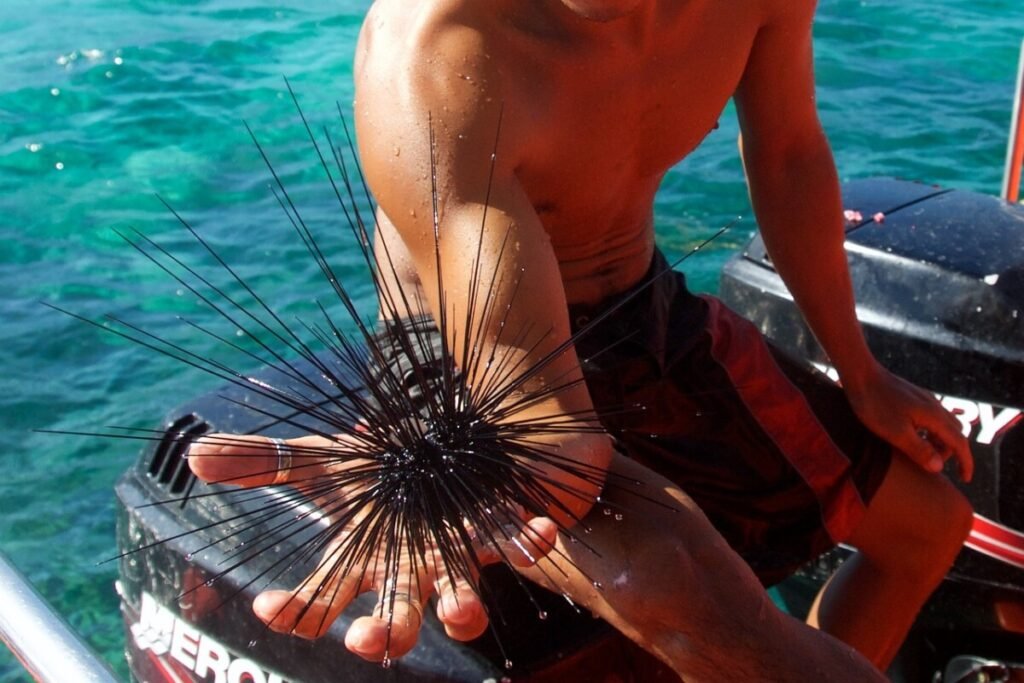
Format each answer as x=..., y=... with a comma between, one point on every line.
x=769, y=450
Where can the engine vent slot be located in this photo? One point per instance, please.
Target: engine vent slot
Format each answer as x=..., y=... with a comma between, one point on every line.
x=169, y=467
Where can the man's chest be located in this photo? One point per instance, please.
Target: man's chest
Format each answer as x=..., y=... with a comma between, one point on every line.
x=631, y=113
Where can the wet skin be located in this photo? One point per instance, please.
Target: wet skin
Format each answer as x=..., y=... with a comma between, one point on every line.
x=597, y=99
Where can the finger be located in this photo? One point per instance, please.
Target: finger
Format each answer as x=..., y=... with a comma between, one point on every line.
x=308, y=611
x=460, y=610
x=964, y=460
x=954, y=446
x=249, y=460
x=520, y=548
x=533, y=543
x=946, y=435
x=391, y=631
x=916, y=444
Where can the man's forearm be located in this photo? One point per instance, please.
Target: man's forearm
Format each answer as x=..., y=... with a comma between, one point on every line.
x=797, y=203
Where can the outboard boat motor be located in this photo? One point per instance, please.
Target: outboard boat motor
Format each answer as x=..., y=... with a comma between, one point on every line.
x=939, y=276
x=939, y=282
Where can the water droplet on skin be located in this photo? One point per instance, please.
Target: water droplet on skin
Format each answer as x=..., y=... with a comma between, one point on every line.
x=398, y=151
x=252, y=644
x=607, y=512
x=598, y=585
x=618, y=516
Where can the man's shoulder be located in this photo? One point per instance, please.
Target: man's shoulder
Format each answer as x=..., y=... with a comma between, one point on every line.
x=438, y=55
x=409, y=40
x=433, y=62
x=419, y=20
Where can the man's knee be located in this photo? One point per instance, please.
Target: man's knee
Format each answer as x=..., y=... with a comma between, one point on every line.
x=924, y=531
x=945, y=521
x=714, y=593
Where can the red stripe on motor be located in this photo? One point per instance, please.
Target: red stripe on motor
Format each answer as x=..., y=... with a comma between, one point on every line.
x=994, y=552
x=998, y=532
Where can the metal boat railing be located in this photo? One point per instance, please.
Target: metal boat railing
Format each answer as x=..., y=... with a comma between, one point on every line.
x=41, y=640
x=1015, y=145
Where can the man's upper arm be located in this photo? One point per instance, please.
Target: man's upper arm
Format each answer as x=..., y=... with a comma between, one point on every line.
x=448, y=90
x=487, y=227
x=775, y=99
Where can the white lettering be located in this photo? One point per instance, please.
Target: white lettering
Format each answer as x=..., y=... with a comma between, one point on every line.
x=161, y=631
x=155, y=627
x=992, y=426
x=185, y=644
x=214, y=658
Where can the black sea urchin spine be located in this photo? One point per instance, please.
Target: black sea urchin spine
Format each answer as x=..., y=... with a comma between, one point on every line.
x=422, y=480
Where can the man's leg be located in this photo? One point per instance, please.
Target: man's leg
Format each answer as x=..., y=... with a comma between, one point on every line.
x=668, y=581
x=910, y=535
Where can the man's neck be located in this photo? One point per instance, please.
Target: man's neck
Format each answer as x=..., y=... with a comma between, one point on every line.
x=629, y=21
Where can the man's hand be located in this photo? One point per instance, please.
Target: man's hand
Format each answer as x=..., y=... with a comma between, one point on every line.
x=911, y=419
x=404, y=582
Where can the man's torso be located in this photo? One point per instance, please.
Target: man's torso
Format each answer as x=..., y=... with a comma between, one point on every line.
x=594, y=113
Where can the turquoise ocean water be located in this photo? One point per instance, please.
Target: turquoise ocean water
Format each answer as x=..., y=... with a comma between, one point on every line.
x=103, y=104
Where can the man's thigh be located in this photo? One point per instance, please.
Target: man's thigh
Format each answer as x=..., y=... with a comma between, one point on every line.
x=770, y=452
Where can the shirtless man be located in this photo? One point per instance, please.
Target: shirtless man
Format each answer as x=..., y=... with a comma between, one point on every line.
x=597, y=99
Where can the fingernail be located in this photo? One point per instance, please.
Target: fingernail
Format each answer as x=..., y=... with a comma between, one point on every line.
x=359, y=646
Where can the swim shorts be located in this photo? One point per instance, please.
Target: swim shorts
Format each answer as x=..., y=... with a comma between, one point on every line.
x=769, y=450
